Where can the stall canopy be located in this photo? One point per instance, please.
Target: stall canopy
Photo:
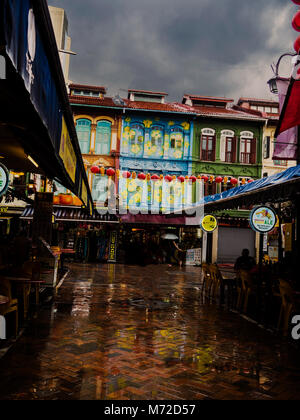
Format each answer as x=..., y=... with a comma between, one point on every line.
x=37, y=132
x=274, y=189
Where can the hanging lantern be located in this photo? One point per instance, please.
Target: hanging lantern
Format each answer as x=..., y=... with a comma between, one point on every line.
x=110, y=172
x=102, y=171
x=161, y=177
x=181, y=178
x=199, y=177
x=168, y=178
x=211, y=179
x=204, y=178
x=219, y=179
x=243, y=181
x=126, y=174
x=296, y=22
x=148, y=177
x=155, y=177
x=133, y=175
x=225, y=179
x=234, y=181
x=250, y=181
x=142, y=176
x=174, y=177
x=296, y=1
x=193, y=178
x=95, y=169
x=297, y=44
x=118, y=173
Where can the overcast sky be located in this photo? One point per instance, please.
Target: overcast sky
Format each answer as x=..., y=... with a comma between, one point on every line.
x=204, y=47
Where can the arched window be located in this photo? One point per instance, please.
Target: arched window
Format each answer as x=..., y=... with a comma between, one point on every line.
x=83, y=128
x=176, y=142
x=103, y=138
x=208, y=144
x=228, y=146
x=157, y=140
x=247, y=148
x=136, y=139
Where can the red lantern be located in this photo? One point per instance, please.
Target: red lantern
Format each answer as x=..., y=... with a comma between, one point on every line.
x=95, y=170
x=296, y=1
x=297, y=44
x=155, y=177
x=142, y=176
x=219, y=179
x=205, y=178
x=193, y=178
x=168, y=178
x=181, y=178
x=296, y=22
x=250, y=180
x=234, y=181
x=126, y=174
x=110, y=172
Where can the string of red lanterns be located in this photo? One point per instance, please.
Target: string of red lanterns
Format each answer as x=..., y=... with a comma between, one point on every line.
x=110, y=172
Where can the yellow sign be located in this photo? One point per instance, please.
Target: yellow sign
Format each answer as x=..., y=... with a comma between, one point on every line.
x=209, y=223
x=84, y=195
x=67, y=152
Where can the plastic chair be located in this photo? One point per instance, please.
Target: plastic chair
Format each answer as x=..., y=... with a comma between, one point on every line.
x=12, y=305
x=207, y=279
x=288, y=306
x=245, y=288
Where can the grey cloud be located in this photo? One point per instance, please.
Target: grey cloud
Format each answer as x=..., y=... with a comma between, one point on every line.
x=195, y=46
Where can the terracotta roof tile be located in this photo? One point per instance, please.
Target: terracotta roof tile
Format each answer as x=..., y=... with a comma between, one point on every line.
x=88, y=87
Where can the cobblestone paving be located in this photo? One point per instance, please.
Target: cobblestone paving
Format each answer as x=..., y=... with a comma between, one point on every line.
x=98, y=342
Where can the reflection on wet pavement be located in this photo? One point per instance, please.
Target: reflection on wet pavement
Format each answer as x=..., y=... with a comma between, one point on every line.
x=93, y=343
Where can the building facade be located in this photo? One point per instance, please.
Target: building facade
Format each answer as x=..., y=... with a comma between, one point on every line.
x=269, y=110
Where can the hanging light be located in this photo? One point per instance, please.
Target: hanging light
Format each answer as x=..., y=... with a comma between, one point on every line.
x=234, y=181
x=219, y=179
x=133, y=175
x=297, y=44
x=181, y=178
x=142, y=176
x=296, y=21
x=110, y=172
x=155, y=177
x=95, y=170
x=126, y=174
x=205, y=178
x=193, y=178
x=225, y=179
x=168, y=178
x=102, y=171
x=250, y=181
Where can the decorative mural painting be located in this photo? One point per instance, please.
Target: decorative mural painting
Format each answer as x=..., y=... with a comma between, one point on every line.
x=159, y=139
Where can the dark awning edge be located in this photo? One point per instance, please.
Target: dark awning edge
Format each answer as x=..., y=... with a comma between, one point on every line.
x=46, y=49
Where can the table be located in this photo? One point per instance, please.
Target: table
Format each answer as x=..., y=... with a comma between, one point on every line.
x=3, y=300
x=229, y=279
x=26, y=281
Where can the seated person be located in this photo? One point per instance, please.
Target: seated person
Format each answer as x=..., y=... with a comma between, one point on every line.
x=245, y=262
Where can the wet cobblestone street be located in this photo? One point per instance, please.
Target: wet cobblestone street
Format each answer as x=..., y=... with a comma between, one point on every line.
x=100, y=340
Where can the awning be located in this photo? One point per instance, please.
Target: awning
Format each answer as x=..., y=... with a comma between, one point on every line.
x=277, y=188
x=37, y=132
x=73, y=214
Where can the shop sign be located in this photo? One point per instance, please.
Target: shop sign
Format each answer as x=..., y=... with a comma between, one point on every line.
x=209, y=223
x=112, y=257
x=4, y=179
x=66, y=152
x=263, y=219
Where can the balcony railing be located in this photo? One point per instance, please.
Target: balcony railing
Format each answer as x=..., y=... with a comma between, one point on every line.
x=246, y=158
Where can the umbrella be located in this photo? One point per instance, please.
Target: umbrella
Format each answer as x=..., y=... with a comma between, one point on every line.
x=170, y=236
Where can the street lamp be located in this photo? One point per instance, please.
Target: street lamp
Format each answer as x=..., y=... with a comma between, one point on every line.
x=275, y=67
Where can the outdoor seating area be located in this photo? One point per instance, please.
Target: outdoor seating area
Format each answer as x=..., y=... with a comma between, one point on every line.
x=261, y=294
